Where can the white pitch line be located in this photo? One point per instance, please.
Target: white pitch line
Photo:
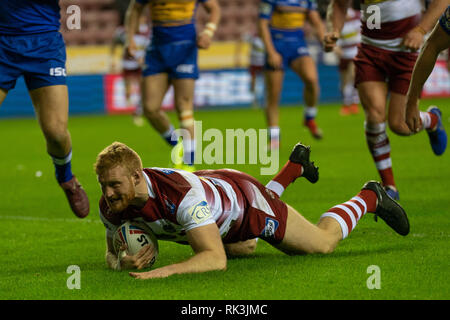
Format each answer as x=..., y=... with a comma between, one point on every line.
x=28, y=218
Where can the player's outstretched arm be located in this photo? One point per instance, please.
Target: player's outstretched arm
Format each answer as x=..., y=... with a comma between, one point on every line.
x=209, y=255
x=438, y=41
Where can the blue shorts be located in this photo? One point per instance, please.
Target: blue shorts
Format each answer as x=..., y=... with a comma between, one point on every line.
x=178, y=59
x=40, y=58
x=290, y=45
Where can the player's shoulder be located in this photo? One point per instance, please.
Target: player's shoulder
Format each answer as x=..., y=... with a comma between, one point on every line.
x=172, y=183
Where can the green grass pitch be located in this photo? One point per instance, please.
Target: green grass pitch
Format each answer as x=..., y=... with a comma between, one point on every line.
x=40, y=237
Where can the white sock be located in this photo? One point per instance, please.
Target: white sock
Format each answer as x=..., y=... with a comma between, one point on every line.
x=275, y=187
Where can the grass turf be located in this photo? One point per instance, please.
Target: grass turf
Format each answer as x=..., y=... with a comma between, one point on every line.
x=41, y=237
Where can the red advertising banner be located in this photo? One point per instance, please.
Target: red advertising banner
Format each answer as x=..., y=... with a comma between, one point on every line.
x=115, y=97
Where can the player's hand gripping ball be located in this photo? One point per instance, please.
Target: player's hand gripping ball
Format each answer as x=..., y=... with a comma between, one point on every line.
x=135, y=236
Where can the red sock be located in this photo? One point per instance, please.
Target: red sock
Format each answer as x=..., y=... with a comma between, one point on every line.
x=288, y=173
x=349, y=213
x=380, y=148
x=370, y=198
x=434, y=120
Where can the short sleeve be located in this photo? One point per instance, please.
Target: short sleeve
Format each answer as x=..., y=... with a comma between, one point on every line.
x=194, y=210
x=266, y=9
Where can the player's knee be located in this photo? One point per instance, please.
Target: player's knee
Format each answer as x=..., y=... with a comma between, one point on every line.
x=325, y=247
x=250, y=246
x=56, y=135
x=151, y=113
x=399, y=127
x=311, y=83
x=374, y=115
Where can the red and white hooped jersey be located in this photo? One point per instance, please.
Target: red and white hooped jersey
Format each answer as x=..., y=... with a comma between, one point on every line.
x=180, y=201
x=396, y=17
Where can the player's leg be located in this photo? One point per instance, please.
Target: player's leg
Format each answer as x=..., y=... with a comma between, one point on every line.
x=3, y=94
x=51, y=104
x=154, y=89
x=373, y=95
x=305, y=68
x=252, y=71
x=128, y=83
x=184, y=104
x=349, y=93
x=353, y=92
x=301, y=236
x=298, y=165
x=344, y=85
x=274, y=84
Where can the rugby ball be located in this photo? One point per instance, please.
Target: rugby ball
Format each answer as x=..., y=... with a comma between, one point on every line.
x=135, y=235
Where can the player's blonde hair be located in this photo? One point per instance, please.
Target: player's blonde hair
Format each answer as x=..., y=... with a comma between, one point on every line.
x=117, y=154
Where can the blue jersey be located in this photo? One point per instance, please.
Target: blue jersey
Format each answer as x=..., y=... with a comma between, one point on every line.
x=444, y=21
x=21, y=17
x=286, y=14
x=172, y=20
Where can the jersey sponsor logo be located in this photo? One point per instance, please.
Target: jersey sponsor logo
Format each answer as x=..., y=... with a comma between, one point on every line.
x=265, y=8
x=58, y=72
x=169, y=204
x=185, y=68
x=167, y=171
x=271, y=226
x=200, y=212
x=303, y=50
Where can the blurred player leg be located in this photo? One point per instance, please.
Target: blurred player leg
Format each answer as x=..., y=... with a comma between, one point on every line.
x=52, y=110
x=373, y=99
x=253, y=87
x=274, y=83
x=3, y=94
x=154, y=90
x=128, y=83
x=306, y=69
x=132, y=82
x=184, y=104
x=350, y=98
x=353, y=97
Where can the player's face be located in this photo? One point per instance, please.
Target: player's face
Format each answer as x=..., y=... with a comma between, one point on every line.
x=117, y=187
